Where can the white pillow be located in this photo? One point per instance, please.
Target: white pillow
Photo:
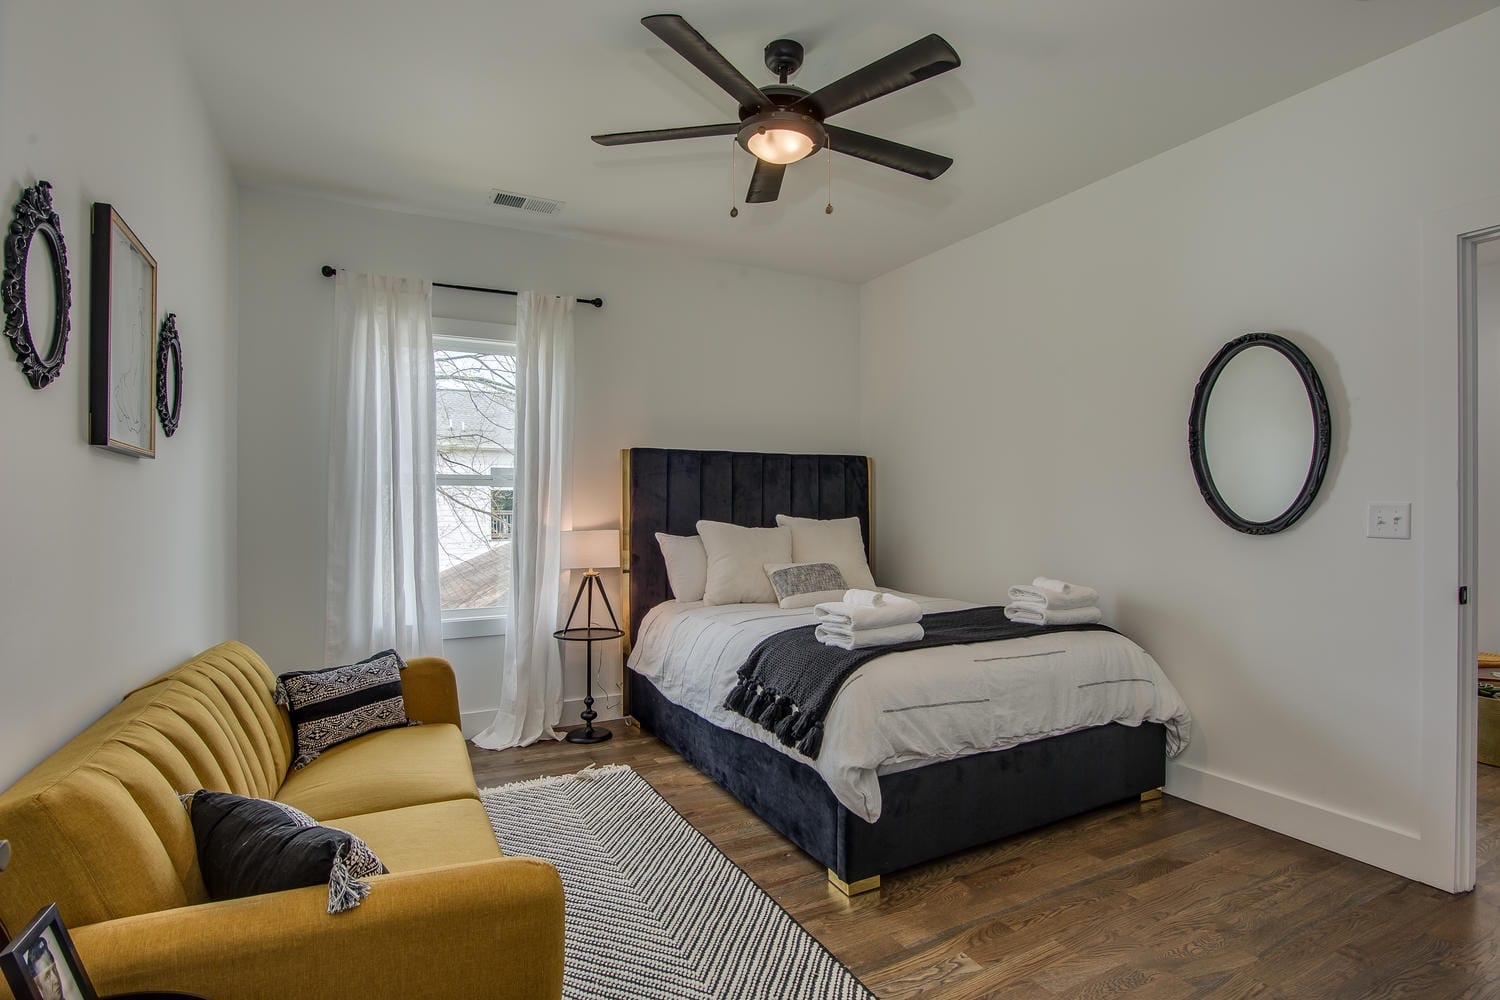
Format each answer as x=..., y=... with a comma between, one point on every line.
x=687, y=565
x=737, y=560
x=837, y=541
x=801, y=585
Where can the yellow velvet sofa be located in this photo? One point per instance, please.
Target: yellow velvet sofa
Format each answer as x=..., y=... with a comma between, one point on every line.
x=98, y=829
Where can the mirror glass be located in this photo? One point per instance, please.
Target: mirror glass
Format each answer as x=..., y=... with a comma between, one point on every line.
x=41, y=293
x=1259, y=433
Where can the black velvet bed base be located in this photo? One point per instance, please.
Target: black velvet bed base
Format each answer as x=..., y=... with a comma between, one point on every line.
x=927, y=812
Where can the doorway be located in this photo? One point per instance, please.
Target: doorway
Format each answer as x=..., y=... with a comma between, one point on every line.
x=1477, y=506
x=1479, y=318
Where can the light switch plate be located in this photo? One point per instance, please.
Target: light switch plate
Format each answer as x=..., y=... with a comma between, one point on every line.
x=1388, y=520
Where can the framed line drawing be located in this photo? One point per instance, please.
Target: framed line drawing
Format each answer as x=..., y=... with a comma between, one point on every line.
x=122, y=339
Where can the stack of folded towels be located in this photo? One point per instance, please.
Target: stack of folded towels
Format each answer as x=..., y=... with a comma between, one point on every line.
x=868, y=618
x=1053, y=602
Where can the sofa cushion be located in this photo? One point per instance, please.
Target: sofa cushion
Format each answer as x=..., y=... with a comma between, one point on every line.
x=385, y=770
x=426, y=836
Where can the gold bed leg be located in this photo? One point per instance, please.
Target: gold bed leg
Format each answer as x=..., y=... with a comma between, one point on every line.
x=1151, y=795
x=870, y=884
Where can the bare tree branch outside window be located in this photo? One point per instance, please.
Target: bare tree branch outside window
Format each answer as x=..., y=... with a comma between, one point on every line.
x=476, y=424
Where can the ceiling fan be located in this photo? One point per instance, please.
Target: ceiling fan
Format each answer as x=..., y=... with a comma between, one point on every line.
x=782, y=123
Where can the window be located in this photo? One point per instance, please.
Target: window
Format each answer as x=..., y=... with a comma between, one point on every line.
x=502, y=506
x=476, y=429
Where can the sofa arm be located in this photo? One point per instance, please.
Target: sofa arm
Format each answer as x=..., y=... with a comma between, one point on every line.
x=430, y=691
x=491, y=929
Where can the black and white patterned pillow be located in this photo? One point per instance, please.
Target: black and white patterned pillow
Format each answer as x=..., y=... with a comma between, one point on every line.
x=801, y=585
x=248, y=846
x=337, y=704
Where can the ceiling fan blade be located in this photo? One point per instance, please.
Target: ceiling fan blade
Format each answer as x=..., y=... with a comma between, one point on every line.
x=887, y=153
x=661, y=134
x=765, y=182
x=686, y=42
x=922, y=59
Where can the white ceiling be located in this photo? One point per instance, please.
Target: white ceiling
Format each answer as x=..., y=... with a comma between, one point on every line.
x=428, y=106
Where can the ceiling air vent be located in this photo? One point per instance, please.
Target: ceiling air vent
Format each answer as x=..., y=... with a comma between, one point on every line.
x=526, y=202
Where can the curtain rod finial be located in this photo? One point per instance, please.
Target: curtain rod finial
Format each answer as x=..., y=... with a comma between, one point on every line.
x=328, y=271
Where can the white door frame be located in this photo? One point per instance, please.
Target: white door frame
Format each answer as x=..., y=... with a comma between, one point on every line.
x=1449, y=671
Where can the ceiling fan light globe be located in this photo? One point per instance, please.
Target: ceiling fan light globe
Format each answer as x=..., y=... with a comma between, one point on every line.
x=780, y=145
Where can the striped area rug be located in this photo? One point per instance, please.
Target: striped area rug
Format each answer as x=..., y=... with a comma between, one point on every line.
x=654, y=910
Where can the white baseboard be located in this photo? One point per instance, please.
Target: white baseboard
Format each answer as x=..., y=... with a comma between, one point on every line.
x=1363, y=838
x=608, y=707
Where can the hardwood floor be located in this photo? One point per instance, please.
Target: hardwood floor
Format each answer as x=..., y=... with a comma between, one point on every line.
x=1159, y=900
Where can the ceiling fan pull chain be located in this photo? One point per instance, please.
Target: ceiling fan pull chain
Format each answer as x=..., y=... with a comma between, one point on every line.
x=828, y=148
x=734, y=210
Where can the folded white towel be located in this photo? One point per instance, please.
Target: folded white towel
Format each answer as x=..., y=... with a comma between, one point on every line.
x=892, y=611
x=1028, y=613
x=1055, y=594
x=864, y=598
x=862, y=638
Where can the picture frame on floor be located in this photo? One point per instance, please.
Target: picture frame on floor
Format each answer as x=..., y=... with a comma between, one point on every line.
x=40, y=963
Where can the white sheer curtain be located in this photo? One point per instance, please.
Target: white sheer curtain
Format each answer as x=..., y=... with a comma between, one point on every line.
x=531, y=674
x=382, y=495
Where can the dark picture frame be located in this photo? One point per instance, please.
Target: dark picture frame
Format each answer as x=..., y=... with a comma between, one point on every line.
x=35, y=217
x=122, y=338
x=1322, y=433
x=40, y=963
x=169, y=375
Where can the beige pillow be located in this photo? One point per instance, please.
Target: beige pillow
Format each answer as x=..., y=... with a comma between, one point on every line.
x=687, y=565
x=836, y=541
x=737, y=560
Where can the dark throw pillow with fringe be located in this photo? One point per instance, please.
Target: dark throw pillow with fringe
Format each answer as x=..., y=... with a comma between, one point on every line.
x=247, y=847
x=338, y=704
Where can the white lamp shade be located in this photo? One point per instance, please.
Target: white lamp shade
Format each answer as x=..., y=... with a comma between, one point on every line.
x=598, y=549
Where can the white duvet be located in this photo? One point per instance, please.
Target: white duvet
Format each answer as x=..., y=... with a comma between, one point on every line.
x=907, y=709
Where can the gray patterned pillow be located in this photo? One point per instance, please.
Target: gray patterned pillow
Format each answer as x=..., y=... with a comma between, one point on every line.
x=336, y=705
x=801, y=585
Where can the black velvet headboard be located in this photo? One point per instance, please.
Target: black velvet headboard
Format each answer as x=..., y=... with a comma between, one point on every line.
x=670, y=491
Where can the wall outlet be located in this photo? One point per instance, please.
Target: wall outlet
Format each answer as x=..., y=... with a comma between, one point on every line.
x=1388, y=520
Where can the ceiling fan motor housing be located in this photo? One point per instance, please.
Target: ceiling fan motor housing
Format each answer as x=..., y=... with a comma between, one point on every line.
x=784, y=57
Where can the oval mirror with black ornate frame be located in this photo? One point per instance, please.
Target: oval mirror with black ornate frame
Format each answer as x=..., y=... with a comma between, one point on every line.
x=1260, y=433
x=169, y=376
x=36, y=285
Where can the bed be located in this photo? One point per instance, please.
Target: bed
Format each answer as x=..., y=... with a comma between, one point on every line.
x=925, y=810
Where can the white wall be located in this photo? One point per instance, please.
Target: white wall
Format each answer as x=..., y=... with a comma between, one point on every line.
x=686, y=353
x=115, y=568
x=1488, y=596
x=1025, y=394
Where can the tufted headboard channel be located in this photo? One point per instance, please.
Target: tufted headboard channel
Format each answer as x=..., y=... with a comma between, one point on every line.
x=671, y=490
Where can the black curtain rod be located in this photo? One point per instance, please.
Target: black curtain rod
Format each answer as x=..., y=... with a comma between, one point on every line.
x=596, y=302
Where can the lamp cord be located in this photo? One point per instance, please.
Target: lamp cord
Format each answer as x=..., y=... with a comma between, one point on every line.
x=734, y=211
x=828, y=208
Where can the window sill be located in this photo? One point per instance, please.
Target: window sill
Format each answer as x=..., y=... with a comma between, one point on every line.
x=472, y=625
